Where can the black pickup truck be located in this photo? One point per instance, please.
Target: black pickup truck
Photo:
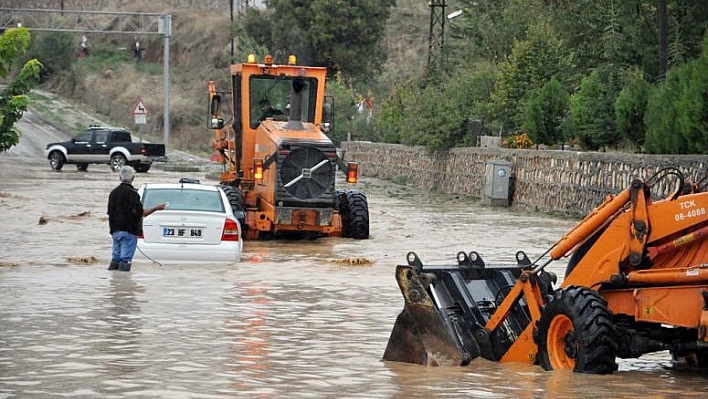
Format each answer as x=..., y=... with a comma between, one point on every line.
x=104, y=145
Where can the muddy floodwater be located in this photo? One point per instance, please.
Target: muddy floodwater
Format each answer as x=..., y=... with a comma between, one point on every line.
x=295, y=319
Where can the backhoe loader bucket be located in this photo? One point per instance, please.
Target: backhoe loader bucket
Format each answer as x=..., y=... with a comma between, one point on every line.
x=447, y=307
x=419, y=335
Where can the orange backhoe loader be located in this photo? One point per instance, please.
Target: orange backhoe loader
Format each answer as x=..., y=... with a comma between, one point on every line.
x=636, y=282
x=278, y=163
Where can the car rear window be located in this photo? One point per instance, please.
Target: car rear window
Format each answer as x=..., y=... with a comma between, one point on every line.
x=181, y=199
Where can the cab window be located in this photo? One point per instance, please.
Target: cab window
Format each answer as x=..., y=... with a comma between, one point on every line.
x=84, y=137
x=121, y=136
x=101, y=137
x=269, y=96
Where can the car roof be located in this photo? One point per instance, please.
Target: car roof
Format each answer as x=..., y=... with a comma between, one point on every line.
x=186, y=186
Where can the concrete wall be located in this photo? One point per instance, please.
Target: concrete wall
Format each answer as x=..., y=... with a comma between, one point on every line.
x=563, y=182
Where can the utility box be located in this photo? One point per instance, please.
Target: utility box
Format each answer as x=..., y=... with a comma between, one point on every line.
x=496, y=188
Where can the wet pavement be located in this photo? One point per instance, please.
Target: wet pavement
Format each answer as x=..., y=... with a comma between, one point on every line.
x=300, y=319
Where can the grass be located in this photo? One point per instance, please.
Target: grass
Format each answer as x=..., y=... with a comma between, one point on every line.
x=400, y=180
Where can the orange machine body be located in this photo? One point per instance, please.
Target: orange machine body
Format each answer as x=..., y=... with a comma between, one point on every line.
x=278, y=163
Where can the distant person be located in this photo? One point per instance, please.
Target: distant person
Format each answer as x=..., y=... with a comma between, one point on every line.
x=137, y=52
x=84, y=46
x=125, y=219
x=267, y=111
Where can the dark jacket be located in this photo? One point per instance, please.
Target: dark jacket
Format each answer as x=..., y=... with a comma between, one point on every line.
x=125, y=211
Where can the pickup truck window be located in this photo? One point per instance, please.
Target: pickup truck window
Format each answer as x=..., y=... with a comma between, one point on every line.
x=101, y=137
x=84, y=137
x=120, y=136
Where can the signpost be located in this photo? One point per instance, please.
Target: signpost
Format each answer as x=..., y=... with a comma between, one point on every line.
x=140, y=113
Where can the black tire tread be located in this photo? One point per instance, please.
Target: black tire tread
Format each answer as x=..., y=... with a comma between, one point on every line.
x=61, y=160
x=594, y=329
x=354, y=210
x=237, y=201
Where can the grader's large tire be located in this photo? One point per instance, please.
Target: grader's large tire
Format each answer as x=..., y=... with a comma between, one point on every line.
x=354, y=210
x=576, y=333
x=238, y=204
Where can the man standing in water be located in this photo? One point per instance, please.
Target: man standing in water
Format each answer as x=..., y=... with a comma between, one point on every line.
x=125, y=218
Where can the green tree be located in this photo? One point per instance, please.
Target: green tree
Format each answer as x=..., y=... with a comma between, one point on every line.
x=438, y=116
x=592, y=111
x=630, y=107
x=395, y=109
x=344, y=109
x=13, y=99
x=342, y=35
x=545, y=113
x=56, y=51
x=677, y=110
x=532, y=62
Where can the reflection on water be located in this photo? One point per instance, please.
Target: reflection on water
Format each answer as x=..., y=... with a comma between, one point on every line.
x=288, y=321
x=124, y=322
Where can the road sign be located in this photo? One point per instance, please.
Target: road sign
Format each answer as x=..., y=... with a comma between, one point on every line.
x=140, y=119
x=140, y=108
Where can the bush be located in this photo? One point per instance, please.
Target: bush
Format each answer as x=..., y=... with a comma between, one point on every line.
x=518, y=140
x=57, y=51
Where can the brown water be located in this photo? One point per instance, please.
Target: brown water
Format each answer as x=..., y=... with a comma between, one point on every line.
x=301, y=319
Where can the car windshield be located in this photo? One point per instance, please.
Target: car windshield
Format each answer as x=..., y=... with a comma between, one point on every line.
x=181, y=199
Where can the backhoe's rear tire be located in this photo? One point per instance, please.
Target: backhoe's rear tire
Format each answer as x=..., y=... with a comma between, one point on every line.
x=354, y=211
x=576, y=333
x=117, y=162
x=56, y=160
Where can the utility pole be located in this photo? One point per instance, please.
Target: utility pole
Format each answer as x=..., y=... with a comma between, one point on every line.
x=436, y=38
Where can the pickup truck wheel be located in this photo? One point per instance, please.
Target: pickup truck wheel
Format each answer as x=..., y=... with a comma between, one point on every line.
x=117, y=162
x=576, y=333
x=142, y=167
x=354, y=210
x=56, y=160
x=82, y=167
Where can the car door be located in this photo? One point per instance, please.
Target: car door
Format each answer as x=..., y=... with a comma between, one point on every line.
x=99, y=152
x=82, y=147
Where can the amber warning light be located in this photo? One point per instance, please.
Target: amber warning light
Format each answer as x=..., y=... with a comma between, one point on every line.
x=352, y=172
x=258, y=170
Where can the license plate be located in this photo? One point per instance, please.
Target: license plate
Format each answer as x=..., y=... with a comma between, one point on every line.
x=181, y=232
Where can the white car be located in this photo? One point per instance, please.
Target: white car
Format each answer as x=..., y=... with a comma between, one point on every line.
x=198, y=224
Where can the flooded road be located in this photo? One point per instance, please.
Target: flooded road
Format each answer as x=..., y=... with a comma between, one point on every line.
x=296, y=319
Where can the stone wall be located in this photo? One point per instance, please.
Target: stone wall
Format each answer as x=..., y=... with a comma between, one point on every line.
x=564, y=182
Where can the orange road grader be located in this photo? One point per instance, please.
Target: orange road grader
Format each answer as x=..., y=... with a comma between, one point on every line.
x=636, y=282
x=278, y=164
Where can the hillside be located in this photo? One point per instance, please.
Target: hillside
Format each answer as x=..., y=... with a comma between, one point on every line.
x=199, y=52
